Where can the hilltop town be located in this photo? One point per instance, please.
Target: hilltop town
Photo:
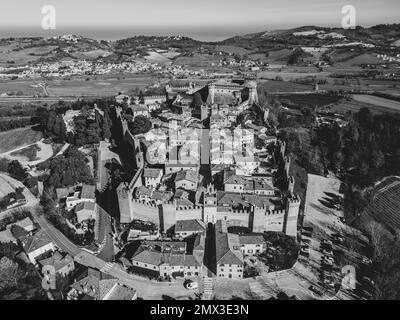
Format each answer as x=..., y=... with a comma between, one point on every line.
x=259, y=167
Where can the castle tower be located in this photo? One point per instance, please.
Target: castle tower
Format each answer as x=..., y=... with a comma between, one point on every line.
x=282, y=148
x=203, y=112
x=124, y=124
x=211, y=92
x=139, y=160
x=266, y=114
x=287, y=165
x=291, y=185
x=292, y=214
x=210, y=205
x=125, y=203
x=253, y=96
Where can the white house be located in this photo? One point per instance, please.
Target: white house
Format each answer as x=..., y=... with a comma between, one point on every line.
x=85, y=211
x=252, y=244
x=37, y=244
x=152, y=177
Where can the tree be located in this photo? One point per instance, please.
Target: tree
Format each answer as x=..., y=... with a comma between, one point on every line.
x=69, y=169
x=140, y=125
x=197, y=101
x=9, y=274
x=16, y=170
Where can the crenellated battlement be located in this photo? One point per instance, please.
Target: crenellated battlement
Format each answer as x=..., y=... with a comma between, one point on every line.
x=294, y=200
x=145, y=203
x=188, y=208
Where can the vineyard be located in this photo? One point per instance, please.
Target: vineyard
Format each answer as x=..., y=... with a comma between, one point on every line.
x=385, y=204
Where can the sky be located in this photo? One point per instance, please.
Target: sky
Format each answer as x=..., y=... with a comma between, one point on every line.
x=185, y=16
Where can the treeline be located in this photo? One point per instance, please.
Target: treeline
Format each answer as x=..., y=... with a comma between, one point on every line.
x=89, y=126
x=9, y=123
x=365, y=150
x=68, y=169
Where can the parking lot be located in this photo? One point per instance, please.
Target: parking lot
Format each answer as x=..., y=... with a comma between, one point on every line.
x=327, y=243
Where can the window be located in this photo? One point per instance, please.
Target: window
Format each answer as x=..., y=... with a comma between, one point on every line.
x=230, y=276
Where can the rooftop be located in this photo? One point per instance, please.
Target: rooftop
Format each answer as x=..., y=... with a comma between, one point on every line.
x=189, y=225
x=36, y=241
x=57, y=260
x=227, y=246
x=152, y=173
x=85, y=205
x=189, y=175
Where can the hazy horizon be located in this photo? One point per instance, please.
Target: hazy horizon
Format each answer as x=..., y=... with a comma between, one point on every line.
x=205, y=20
x=210, y=34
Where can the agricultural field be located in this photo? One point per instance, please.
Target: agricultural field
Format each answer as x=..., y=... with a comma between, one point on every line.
x=232, y=49
x=310, y=100
x=274, y=86
x=288, y=75
x=377, y=101
x=99, y=86
x=18, y=138
x=197, y=60
x=20, y=87
x=386, y=202
x=21, y=57
x=161, y=58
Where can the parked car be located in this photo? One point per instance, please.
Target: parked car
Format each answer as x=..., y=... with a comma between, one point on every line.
x=305, y=250
x=328, y=260
x=327, y=252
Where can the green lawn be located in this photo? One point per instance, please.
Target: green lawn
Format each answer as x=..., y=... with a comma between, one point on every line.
x=13, y=139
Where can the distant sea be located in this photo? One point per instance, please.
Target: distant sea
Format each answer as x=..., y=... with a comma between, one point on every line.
x=211, y=33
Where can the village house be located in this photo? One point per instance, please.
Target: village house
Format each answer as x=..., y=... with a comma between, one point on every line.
x=186, y=180
x=251, y=244
x=63, y=263
x=139, y=110
x=123, y=98
x=233, y=182
x=185, y=228
x=85, y=211
x=169, y=258
x=229, y=257
x=27, y=224
x=152, y=177
x=36, y=245
x=98, y=286
x=171, y=167
x=75, y=195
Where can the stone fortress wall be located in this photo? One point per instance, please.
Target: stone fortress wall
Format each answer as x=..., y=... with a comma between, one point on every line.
x=165, y=215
